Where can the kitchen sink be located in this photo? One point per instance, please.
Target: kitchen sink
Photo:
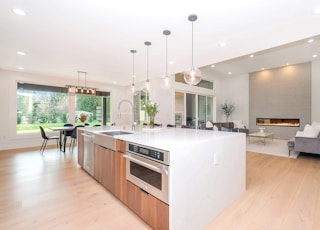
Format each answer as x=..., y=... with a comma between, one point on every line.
x=106, y=138
x=114, y=133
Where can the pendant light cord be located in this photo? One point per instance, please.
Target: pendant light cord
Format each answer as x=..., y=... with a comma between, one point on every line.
x=147, y=63
x=166, y=55
x=192, y=46
x=133, y=68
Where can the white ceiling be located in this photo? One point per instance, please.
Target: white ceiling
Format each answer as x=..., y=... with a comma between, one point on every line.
x=61, y=37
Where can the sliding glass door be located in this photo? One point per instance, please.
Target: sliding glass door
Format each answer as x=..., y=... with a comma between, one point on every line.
x=193, y=110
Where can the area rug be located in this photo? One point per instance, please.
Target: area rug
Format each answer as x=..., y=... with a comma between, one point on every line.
x=276, y=147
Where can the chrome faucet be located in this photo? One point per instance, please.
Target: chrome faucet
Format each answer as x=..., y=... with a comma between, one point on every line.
x=119, y=112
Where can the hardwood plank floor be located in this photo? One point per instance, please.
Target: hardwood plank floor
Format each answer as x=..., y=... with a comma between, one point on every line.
x=52, y=192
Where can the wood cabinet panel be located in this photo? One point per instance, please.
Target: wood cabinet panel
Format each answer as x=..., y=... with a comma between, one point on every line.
x=153, y=211
x=120, y=170
x=98, y=162
x=108, y=172
x=80, y=145
x=121, y=146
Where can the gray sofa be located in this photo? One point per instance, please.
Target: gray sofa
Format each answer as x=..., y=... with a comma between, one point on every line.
x=304, y=144
x=228, y=127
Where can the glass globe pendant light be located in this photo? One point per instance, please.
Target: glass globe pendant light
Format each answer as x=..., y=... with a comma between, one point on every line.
x=193, y=75
x=166, y=82
x=133, y=75
x=147, y=81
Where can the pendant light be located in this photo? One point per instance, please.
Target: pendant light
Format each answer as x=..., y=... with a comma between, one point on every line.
x=193, y=75
x=133, y=75
x=166, y=82
x=72, y=89
x=147, y=81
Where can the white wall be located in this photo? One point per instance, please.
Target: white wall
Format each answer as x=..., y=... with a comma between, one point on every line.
x=232, y=89
x=315, y=91
x=9, y=139
x=235, y=89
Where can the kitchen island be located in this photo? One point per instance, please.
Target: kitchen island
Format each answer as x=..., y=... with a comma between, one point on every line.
x=206, y=172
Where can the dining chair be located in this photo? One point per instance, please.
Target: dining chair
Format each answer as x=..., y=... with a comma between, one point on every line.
x=67, y=134
x=171, y=126
x=74, y=137
x=46, y=138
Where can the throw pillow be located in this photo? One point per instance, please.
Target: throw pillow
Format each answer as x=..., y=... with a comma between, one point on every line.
x=238, y=124
x=209, y=124
x=299, y=134
x=316, y=125
x=309, y=131
x=215, y=128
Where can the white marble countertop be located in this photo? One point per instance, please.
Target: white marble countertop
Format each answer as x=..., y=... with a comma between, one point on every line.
x=165, y=138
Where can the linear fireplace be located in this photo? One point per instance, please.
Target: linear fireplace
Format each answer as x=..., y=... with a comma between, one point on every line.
x=288, y=122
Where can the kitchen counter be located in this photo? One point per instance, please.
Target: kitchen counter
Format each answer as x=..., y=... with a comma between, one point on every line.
x=207, y=170
x=164, y=138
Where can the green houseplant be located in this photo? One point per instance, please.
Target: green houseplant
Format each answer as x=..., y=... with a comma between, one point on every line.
x=227, y=109
x=151, y=109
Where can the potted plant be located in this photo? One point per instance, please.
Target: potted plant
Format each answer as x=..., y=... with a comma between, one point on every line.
x=151, y=110
x=227, y=109
x=83, y=118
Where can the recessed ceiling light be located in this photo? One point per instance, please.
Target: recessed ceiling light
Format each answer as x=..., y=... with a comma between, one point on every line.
x=21, y=53
x=251, y=56
x=310, y=40
x=229, y=73
x=223, y=44
x=316, y=11
x=315, y=55
x=134, y=76
x=212, y=66
x=287, y=64
x=114, y=82
x=19, y=12
x=262, y=68
x=20, y=68
x=171, y=62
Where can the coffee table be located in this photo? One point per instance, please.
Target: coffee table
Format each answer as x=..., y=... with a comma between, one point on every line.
x=261, y=136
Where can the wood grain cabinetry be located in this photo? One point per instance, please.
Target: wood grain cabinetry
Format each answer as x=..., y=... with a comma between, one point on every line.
x=80, y=145
x=120, y=170
x=153, y=211
x=109, y=168
x=104, y=167
x=110, y=171
x=98, y=162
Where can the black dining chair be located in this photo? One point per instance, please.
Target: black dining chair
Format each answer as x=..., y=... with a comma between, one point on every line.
x=46, y=139
x=171, y=126
x=74, y=137
x=67, y=134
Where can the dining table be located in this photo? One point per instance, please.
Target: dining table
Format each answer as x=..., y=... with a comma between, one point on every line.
x=63, y=134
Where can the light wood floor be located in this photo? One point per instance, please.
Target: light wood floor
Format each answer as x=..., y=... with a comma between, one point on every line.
x=52, y=192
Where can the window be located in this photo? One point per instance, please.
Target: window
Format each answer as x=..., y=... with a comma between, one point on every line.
x=139, y=98
x=51, y=106
x=193, y=110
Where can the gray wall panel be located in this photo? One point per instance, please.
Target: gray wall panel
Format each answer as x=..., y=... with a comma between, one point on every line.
x=281, y=93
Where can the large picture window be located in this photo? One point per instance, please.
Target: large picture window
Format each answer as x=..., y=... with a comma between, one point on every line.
x=51, y=107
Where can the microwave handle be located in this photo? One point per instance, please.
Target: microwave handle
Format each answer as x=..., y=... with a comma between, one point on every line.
x=149, y=166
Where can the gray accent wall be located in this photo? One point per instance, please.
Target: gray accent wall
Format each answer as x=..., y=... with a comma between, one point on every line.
x=281, y=93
